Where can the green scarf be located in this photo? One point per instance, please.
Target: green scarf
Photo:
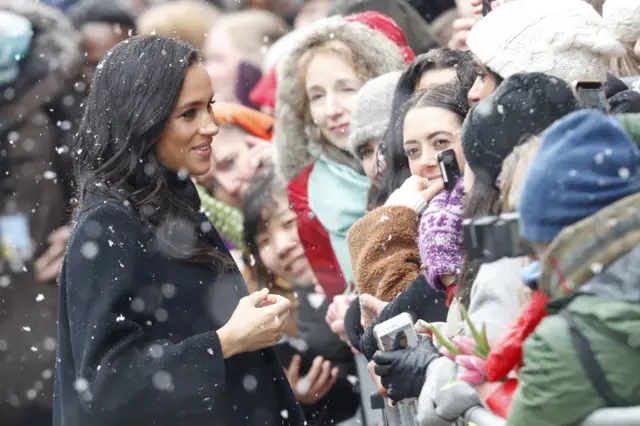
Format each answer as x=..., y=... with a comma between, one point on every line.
x=227, y=220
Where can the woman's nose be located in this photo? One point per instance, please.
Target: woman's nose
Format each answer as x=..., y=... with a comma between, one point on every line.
x=428, y=159
x=209, y=126
x=284, y=244
x=333, y=108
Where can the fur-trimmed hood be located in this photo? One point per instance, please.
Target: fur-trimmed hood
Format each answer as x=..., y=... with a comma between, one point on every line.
x=54, y=56
x=372, y=47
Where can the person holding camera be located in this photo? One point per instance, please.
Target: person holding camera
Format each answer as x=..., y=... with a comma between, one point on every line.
x=582, y=187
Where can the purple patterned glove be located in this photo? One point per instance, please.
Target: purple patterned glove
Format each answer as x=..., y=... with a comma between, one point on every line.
x=440, y=235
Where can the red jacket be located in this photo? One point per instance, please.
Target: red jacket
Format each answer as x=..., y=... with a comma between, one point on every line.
x=315, y=238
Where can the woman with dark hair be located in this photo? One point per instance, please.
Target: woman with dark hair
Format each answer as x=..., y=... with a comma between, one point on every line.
x=440, y=66
x=155, y=323
x=318, y=363
x=431, y=123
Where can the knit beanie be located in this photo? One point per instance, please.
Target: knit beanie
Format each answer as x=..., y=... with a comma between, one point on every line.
x=371, y=111
x=524, y=105
x=387, y=26
x=16, y=33
x=622, y=18
x=566, y=39
x=586, y=163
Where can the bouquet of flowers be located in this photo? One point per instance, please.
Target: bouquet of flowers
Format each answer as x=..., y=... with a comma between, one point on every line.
x=492, y=370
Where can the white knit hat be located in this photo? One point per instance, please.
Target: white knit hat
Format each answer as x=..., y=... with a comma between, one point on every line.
x=623, y=19
x=371, y=110
x=566, y=39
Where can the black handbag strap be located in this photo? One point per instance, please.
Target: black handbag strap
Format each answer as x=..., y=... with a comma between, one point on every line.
x=590, y=364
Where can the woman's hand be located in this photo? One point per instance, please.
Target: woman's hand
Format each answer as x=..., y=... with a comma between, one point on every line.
x=47, y=266
x=370, y=307
x=415, y=193
x=403, y=372
x=316, y=384
x=376, y=379
x=461, y=28
x=257, y=323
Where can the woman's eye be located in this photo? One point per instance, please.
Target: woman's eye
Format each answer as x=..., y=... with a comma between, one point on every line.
x=288, y=224
x=190, y=113
x=440, y=142
x=366, y=153
x=263, y=242
x=411, y=152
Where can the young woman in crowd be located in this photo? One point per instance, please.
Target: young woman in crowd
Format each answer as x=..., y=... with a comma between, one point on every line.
x=431, y=124
x=317, y=362
x=317, y=82
x=567, y=40
x=369, y=122
x=155, y=321
x=440, y=66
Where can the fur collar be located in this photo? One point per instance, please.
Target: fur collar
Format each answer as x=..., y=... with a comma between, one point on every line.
x=372, y=47
x=54, y=56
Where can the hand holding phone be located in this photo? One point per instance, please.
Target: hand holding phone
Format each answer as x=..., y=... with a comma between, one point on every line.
x=449, y=168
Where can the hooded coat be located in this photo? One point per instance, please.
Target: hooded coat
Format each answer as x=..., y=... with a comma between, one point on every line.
x=296, y=155
x=35, y=133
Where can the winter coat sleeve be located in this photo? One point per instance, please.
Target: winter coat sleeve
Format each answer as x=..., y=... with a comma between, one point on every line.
x=552, y=387
x=496, y=296
x=443, y=400
x=122, y=367
x=384, y=251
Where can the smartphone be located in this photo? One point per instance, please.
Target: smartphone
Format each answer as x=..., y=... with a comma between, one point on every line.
x=590, y=94
x=449, y=168
x=486, y=7
x=396, y=333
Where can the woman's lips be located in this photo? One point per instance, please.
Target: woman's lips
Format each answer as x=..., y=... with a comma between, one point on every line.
x=343, y=128
x=203, y=151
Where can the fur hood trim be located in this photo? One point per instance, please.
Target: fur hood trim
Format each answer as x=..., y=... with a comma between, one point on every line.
x=54, y=58
x=371, y=47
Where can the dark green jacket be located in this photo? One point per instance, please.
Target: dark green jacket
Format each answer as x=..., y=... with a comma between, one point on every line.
x=596, y=278
x=631, y=124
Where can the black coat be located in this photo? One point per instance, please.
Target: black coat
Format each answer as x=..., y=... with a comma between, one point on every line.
x=137, y=334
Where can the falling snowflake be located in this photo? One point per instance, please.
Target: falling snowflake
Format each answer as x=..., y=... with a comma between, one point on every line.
x=34, y=349
x=210, y=351
x=26, y=328
x=250, y=383
x=89, y=250
x=120, y=318
x=596, y=268
x=110, y=243
x=81, y=385
x=624, y=173
x=39, y=297
x=162, y=380
x=284, y=414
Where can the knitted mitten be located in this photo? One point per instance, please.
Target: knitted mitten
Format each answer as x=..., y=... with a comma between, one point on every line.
x=440, y=235
x=227, y=220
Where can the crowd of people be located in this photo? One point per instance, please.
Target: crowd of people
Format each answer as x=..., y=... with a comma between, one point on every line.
x=209, y=206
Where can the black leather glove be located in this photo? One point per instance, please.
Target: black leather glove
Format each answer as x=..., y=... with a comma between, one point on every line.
x=403, y=373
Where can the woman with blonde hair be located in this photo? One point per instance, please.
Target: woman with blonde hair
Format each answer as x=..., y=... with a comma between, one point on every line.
x=317, y=83
x=235, y=48
x=187, y=20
